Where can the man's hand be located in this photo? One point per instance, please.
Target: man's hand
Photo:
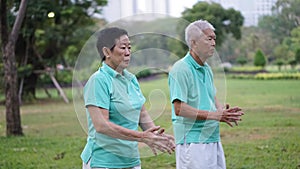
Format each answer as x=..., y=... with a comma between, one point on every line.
x=230, y=115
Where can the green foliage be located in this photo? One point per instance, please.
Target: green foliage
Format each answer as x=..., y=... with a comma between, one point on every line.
x=284, y=19
x=297, y=56
x=279, y=63
x=63, y=77
x=292, y=62
x=49, y=41
x=24, y=71
x=143, y=73
x=241, y=60
x=295, y=38
x=259, y=59
x=245, y=69
x=266, y=76
x=225, y=21
x=272, y=76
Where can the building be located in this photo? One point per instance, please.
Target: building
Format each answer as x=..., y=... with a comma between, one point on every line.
x=252, y=10
x=119, y=9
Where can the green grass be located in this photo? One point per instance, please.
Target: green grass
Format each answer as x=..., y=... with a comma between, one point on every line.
x=268, y=136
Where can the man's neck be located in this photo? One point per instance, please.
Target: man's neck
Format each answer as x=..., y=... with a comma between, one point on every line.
x=197, y=58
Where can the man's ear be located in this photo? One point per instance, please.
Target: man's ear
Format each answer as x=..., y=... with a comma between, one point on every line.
x=193, y=42
x=106, y=52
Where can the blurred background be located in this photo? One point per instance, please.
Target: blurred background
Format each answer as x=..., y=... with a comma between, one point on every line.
x=258, y=43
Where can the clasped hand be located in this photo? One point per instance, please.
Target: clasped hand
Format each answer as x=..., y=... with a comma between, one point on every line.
x=231, y=115
x=156, y=139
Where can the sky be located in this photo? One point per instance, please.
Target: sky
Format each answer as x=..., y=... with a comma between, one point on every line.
x=178, y=6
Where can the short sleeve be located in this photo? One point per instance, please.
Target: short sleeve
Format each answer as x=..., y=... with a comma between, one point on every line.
x=96, y=92
x=178, y=85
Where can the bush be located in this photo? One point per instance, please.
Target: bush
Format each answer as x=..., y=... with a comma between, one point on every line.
x=272, y=76
x=241, y=60
x=143, y=73
x=279, y=63
x=259, y=59
x=267, y=76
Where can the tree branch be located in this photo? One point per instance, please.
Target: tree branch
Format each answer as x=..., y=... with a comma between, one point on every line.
x=18, y=23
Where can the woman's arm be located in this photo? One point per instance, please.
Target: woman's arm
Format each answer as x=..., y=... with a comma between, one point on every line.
x=100, y=119
x=147, y=123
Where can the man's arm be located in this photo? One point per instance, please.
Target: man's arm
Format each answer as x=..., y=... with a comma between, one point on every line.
x=223, y=115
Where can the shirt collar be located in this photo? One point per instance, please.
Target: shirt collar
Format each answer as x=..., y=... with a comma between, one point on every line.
x=189, y=58
x=114, y=73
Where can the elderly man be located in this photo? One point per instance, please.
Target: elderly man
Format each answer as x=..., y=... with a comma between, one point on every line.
x=196, y=112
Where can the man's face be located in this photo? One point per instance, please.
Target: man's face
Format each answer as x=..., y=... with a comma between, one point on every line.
x=204, y=46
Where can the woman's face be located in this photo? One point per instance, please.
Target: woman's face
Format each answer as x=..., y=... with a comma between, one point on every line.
x=120, y=55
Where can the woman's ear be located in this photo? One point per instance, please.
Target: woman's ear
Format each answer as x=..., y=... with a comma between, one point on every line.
x=106, y=52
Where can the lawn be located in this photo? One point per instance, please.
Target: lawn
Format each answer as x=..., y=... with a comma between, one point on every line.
x=268, y=136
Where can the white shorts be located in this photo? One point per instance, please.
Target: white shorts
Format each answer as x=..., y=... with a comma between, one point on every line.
x=87, y=166
x=200, y=156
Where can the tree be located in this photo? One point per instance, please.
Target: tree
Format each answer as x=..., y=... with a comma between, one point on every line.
x=259, y=59
x=8, y=41
x=285, y=17
x=226, y=21
x=46, y=40
x=41, y=42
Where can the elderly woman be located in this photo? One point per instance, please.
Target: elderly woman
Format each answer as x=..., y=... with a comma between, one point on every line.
x=115, y=108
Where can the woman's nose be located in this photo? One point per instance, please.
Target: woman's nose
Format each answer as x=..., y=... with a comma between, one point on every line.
x=127, y=51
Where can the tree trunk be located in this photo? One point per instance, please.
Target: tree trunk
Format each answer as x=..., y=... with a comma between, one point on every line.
x=13, y=118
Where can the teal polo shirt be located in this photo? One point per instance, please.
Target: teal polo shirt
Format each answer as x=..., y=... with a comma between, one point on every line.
x=193, y=84
x=122, y=97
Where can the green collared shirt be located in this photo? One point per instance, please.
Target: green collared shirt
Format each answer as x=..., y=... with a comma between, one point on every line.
x=193, y=84
x=122, y=97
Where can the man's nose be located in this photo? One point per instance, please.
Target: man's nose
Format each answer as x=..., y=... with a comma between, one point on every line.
x=213, y=42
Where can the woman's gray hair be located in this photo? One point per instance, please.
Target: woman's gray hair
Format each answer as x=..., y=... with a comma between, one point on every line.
x=194, y=30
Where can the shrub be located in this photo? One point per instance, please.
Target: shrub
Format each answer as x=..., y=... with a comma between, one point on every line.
x=279, y=63
x=241, y=60
x=143, y=73
x=297, y=56
x=267, y=76
x=259, y=59
x=271, y=76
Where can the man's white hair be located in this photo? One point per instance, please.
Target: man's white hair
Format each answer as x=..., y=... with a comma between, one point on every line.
x=194, y=30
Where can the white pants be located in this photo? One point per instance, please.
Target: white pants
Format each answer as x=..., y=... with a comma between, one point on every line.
x=200, y=156
x=87, y=166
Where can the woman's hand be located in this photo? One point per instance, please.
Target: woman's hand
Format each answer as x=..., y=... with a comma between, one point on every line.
x=157, y=140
